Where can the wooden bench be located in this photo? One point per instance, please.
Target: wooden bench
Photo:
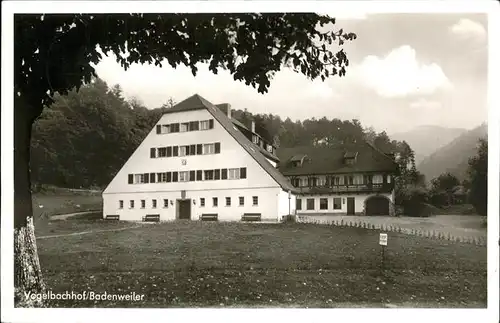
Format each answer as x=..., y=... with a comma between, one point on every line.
x=151, y=218
x=112, y=217
x=251, y=217
x=209, y=217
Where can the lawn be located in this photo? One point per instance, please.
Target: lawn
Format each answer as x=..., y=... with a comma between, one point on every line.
x=194, y=264
x=467, y=226
x=62, y=202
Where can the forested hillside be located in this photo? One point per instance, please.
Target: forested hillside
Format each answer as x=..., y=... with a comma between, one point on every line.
x=425, y=140
x=86, y=136
x=454, y=157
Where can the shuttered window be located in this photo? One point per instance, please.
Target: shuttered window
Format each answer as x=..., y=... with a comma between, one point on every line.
x=323, y=204
x=182, y=151
x=183, y=176
x=217, y=147
x=152, y=177
x=152, y=152
x=199, y=149
x=204, y=125
x=169, y=177
x=158, y=129
x=217, y=174
x=310, y=204
x=233, y=173
x=224, y=173
x=175, y=176
x=199, y=175
x=209, y=175
x=211, y=123
x=131, y=178
x=243, y=172
x=175, y=151
x=169, y=151
x=192, y=175
x=337, y=203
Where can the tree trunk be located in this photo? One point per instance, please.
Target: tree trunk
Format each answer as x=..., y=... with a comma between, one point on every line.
x=27, y=272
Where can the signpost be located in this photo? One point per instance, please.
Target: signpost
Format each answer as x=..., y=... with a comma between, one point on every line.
x=383, y=242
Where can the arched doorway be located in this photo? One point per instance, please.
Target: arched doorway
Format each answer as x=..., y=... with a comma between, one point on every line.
x=377, y=205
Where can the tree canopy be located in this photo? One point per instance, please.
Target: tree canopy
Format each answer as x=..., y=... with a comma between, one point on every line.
x=55, y=53
x=478, y=178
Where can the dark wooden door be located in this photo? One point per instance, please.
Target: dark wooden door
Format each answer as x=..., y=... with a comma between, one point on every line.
x=350, y=206
x=184, y=209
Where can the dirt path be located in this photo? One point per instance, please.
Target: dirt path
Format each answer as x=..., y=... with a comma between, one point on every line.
x=68, y=215
x=87, y=232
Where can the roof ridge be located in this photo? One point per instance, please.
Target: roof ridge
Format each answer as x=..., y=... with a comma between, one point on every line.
x=378, y=150
x=246, y=144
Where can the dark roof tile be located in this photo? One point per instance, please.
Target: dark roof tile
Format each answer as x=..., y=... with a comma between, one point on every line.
x=197, y=102
x=331, y=160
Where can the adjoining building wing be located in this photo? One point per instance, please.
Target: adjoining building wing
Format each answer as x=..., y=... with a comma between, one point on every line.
x=340, y=179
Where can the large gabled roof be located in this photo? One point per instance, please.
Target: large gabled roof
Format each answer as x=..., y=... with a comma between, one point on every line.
x=196, y=102
x=331, y=160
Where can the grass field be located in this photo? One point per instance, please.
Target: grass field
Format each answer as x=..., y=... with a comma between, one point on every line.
x=64, y=203
x=468, y=226
x=194, y=264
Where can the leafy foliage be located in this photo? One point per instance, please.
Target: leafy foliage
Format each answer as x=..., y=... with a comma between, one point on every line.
x=444, y=188
x=55, y=53
x=86, y=136
x=478, y=178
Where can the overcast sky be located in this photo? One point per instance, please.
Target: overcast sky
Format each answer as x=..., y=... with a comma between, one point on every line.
x=405, y=70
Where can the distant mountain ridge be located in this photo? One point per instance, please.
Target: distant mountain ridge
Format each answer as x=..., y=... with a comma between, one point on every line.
x=454, y=156
x=425, y=140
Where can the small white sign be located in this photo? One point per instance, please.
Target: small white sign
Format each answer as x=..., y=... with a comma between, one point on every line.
x=383, y=239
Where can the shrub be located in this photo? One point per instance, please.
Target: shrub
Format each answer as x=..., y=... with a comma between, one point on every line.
x=289, y=218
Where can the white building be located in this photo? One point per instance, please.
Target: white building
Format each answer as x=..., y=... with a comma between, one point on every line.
x=198, y=163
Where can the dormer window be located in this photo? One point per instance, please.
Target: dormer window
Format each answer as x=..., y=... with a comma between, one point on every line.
x=298, y=160
x=350, y=157
x=270, y=148
x=255, y=139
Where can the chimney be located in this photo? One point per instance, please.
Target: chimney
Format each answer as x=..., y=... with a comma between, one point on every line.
x=226, y=107
x=253, y=126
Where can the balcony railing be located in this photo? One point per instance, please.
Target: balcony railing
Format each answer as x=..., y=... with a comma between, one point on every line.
x=386, y=187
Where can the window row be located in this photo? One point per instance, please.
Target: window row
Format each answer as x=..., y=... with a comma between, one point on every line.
x=154, y=204
x=189, y=176
x=215, y=202
x=339, y=180
x=185, y=150
x=185, y=126
x=323, y=203
x=241, y=201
